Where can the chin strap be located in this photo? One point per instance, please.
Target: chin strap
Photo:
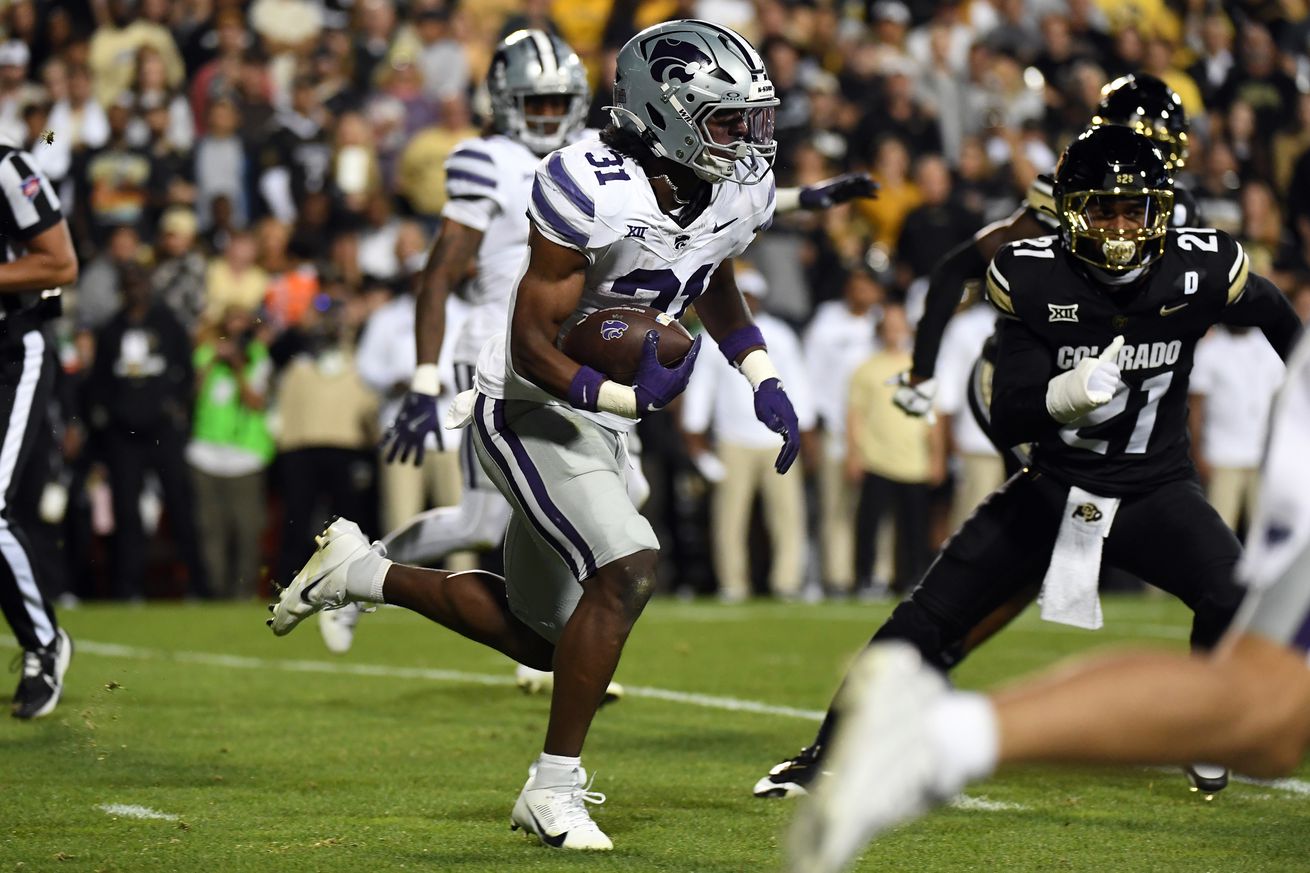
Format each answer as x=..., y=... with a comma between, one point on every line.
x=673, y=188
x=1107, y=278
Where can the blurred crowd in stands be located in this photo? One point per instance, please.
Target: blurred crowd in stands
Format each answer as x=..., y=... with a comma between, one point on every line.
x=252, y=188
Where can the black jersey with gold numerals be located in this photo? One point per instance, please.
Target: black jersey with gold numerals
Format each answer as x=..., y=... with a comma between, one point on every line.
x=1056, y=315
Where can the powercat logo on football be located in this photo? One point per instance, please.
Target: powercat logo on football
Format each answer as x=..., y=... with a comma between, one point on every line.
x=1142, y=356
x=613, y=329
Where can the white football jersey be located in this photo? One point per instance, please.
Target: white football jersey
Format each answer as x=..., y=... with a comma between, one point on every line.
x=589, y=198
x=488, y=183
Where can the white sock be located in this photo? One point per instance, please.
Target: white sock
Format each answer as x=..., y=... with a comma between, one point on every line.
x=554, y=771
x=962, y=729
x=366, y=575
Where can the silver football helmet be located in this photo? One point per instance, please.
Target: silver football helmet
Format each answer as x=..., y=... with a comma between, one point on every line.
x=533, y=63
x=675, y=78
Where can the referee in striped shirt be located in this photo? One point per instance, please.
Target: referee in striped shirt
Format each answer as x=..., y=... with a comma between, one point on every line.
x=36, y=258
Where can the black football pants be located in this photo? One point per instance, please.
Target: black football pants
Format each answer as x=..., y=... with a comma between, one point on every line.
x=1170, y=537
x=27, y=373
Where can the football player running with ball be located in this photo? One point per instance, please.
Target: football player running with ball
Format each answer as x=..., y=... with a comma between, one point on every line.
x=538, y=93
x=651, y=213
x=1095, y=341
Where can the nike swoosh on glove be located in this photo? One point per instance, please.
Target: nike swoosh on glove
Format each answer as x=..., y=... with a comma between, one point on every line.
x=1091, y=383
x=773, y=408
x=655, y=384
x=838, y=189
x=409, y=432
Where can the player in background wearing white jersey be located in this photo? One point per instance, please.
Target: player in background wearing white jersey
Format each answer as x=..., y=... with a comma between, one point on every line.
x=538, y=94
x=653, y=213
x=908, y=743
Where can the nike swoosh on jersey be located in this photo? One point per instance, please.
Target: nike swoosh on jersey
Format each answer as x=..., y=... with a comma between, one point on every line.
x=719, y=227
x=1170, y=310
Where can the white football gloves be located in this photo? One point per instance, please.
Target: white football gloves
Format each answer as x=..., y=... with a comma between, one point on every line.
x=914, y=400
x=1091, y=383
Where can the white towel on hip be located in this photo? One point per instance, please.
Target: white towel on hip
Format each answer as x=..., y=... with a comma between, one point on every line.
x=460, y=411
x=1069, y=594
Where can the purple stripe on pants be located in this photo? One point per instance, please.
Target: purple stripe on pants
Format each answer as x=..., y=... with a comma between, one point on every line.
x=1302, y=638
x=538, y=486
x=503, y=465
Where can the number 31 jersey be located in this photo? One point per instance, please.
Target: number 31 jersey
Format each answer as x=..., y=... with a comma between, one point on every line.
x=589, y=198
x=1139, y=439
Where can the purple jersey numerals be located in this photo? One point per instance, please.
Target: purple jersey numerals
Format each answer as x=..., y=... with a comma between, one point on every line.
x=603, y=175
x=671, y=296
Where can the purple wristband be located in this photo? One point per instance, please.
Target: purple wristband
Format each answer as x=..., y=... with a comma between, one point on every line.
x=584, y=390
x=739, y=341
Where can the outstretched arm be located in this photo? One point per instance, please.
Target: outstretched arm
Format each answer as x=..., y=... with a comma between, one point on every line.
x=826, y=194
x=962, y=264
x=945, y=288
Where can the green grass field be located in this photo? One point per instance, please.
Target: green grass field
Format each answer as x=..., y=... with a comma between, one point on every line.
x=408, y=754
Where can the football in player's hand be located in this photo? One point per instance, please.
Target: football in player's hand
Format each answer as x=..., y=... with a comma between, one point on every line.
x=611, y=340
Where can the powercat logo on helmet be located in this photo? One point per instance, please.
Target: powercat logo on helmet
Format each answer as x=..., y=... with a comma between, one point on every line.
x=671, y=57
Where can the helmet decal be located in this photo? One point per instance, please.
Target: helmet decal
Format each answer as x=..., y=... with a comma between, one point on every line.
x=673, y=58
x=672, y=79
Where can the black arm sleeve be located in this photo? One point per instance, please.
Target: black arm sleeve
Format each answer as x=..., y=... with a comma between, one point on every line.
x=945, y=287
x=1262, y=305
x=1019, y=386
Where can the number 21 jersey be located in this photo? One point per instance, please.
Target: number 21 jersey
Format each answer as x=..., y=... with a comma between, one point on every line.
x=1139, y=439
x=599, y=202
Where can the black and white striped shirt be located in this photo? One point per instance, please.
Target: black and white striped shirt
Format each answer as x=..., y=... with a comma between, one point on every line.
x=28, y=207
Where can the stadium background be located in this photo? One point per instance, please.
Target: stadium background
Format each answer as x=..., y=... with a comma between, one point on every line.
x=273, y=171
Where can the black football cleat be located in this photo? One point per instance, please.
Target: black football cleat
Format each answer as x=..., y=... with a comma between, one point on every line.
x=792, y=777
x=43, y=678
x=1207, y=778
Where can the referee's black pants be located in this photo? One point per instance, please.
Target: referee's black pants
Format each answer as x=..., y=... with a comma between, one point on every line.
x=27, y=374
x=1171, y=537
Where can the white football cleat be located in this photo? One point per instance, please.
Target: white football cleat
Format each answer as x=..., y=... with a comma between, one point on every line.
x=321, y=583
x=880, y=769
x=532, y=681
x=337, y=627
x=558, y=816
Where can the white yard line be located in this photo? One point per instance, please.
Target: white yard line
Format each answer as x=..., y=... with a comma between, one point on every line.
x=982, y=804
x=131, y=810
x=1291, y=786
x=240, y=662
